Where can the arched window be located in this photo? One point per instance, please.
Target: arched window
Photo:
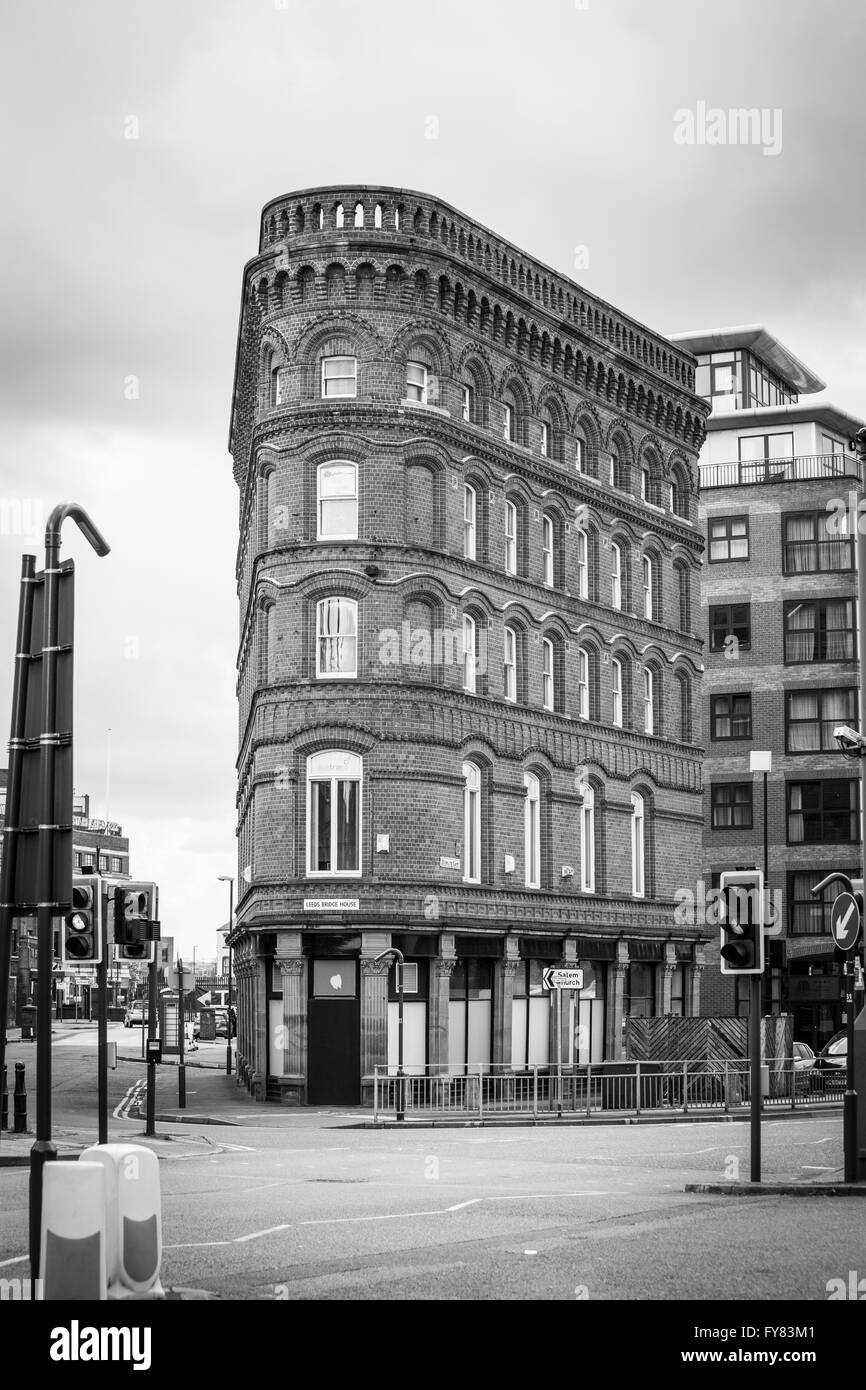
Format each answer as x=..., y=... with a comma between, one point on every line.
x=649, y=719
x=267, y=642
x=377, y=217
x=581, y=459
x=615, y=575
x=582, y=683
x=334, y=813
x=275, y=395
x=339, y=376
x=587, y=841
x=545, y=438
x=638, y=846
x=468, y=404
x=509, y=423
x=648, y=578
x=509, y=664
x=582, y=564
x=265, y=507
x=679, y=494
x=616, y=692
x=532, y=829
x=471, y=823
x=619, y=467
x=336, y=638
x=548, y=674
x=547, y=551
x=645, y=485
x=359, y=214
x=685, y=693
x=337, y=501
x=684, y=596
x=416, y=382
x=339, y=219
x=510, y=538
x=470, y=522
x=470, y=663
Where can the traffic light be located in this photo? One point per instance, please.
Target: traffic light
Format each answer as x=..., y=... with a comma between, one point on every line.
x=82, y=927
x=741, y=913
x=134, y=912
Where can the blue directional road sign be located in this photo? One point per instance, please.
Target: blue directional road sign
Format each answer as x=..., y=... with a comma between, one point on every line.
x=845, y=921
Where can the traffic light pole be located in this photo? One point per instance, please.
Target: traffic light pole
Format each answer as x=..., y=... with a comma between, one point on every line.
x=150, y=1117
x=102, y=1040
x=757, y=985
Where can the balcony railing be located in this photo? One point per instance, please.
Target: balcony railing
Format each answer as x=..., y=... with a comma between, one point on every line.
x=801, y=468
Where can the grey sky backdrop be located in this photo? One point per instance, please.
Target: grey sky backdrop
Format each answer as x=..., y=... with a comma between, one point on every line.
x=122, y=258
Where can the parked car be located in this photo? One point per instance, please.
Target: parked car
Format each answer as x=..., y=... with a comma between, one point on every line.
x=804, y=1067
x=804, y=1057
x=136, y=1012
x=833, y=1057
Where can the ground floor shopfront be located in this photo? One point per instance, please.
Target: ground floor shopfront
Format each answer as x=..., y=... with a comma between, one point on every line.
x=317, y=1013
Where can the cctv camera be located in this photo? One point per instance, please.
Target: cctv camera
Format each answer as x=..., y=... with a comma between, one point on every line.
x=850, y=741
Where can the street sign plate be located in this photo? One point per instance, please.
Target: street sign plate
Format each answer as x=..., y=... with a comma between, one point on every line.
x=562, y=979
x=845, y=921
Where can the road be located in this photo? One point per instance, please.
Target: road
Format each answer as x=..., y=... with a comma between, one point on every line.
x=303, y=1206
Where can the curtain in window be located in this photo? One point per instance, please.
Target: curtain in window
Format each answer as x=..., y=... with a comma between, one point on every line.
x=796, y=820
x=337, y=636
x=347, y=825
x=840, y=643
x=801, y=554
x=838, y=708
x=800, y=633
x=803, y=736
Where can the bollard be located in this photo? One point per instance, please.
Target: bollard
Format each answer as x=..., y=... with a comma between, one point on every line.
x=19, y=1099
x=4, y=1102
x=73, y=1236
x=133, y=1218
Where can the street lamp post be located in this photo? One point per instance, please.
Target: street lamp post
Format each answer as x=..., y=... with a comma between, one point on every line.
x=393, y=951
x=224, y=878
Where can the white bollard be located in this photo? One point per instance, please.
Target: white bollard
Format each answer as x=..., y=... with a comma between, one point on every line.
x=133, y=1217
x=72, y=1241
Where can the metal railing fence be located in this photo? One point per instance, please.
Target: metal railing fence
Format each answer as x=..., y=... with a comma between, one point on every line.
x=628, y=1088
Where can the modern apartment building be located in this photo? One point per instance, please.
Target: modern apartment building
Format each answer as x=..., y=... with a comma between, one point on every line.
x=778, y=601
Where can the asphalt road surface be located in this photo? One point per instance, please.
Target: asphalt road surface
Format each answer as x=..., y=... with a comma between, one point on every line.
x=302, y=1206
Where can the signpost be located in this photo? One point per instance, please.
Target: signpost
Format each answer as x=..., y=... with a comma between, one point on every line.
x=556, y=980
x=845, y=922
x=846, y=915
x=553, y=978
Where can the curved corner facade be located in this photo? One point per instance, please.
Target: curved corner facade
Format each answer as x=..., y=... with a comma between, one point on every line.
x=468, y=675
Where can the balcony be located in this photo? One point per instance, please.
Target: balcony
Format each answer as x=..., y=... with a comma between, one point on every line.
x=801, y=468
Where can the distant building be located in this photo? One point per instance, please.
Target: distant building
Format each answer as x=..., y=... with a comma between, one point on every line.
x=778, y=600
x=98, y=844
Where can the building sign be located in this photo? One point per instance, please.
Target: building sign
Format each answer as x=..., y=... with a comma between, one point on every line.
x=448, y=861
x=331, y=904
x=98, y=827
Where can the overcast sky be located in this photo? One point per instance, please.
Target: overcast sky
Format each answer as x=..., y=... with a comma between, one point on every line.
x=121, y=258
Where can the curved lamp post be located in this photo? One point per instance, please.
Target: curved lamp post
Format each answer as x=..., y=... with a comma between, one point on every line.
x=393, y=951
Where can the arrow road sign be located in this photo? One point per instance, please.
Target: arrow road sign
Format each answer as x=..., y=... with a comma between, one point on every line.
x=562, y=979
x=845, y=921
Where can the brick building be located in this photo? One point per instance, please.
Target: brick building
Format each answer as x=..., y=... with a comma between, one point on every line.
x=98, y=844
x=469, y=675
x=778, y=599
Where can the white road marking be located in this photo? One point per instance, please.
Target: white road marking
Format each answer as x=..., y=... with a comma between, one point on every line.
x=132, y=1095
x=269, y=1231
x=16, y=1260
